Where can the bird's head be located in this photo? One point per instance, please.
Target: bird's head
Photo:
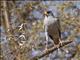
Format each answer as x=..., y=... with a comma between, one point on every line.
x=48, y=13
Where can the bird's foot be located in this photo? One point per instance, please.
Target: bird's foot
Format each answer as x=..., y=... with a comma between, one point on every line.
x=60, y=42
x=46, y=48
x=57, y=46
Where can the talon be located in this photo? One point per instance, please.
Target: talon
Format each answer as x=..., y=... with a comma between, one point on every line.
x=46, y=48
x=57, y=46
x=60, y=42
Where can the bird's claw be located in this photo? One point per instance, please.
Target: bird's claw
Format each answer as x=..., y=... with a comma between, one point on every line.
x=60, y=42
x=57, y=46
x=46, y=48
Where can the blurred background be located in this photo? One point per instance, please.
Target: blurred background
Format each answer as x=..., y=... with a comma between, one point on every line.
x=22, y=34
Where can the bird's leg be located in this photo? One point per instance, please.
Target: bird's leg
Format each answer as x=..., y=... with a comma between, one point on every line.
x=57, y=46
x=60, y=42
x=46, y=34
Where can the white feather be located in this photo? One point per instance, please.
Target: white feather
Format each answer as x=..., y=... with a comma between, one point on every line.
x=49, y=20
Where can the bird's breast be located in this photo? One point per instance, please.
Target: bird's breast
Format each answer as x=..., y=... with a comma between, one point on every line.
x=49, y=20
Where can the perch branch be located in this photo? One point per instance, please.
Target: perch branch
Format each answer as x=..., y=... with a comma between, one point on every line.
x=48, y=51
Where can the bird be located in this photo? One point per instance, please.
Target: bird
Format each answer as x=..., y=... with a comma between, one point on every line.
x=52, y=28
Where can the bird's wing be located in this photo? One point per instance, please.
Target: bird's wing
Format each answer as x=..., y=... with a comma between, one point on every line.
x=54, y=31
x=59, y=27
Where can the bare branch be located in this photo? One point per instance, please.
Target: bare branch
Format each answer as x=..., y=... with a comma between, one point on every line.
x=46, y=52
